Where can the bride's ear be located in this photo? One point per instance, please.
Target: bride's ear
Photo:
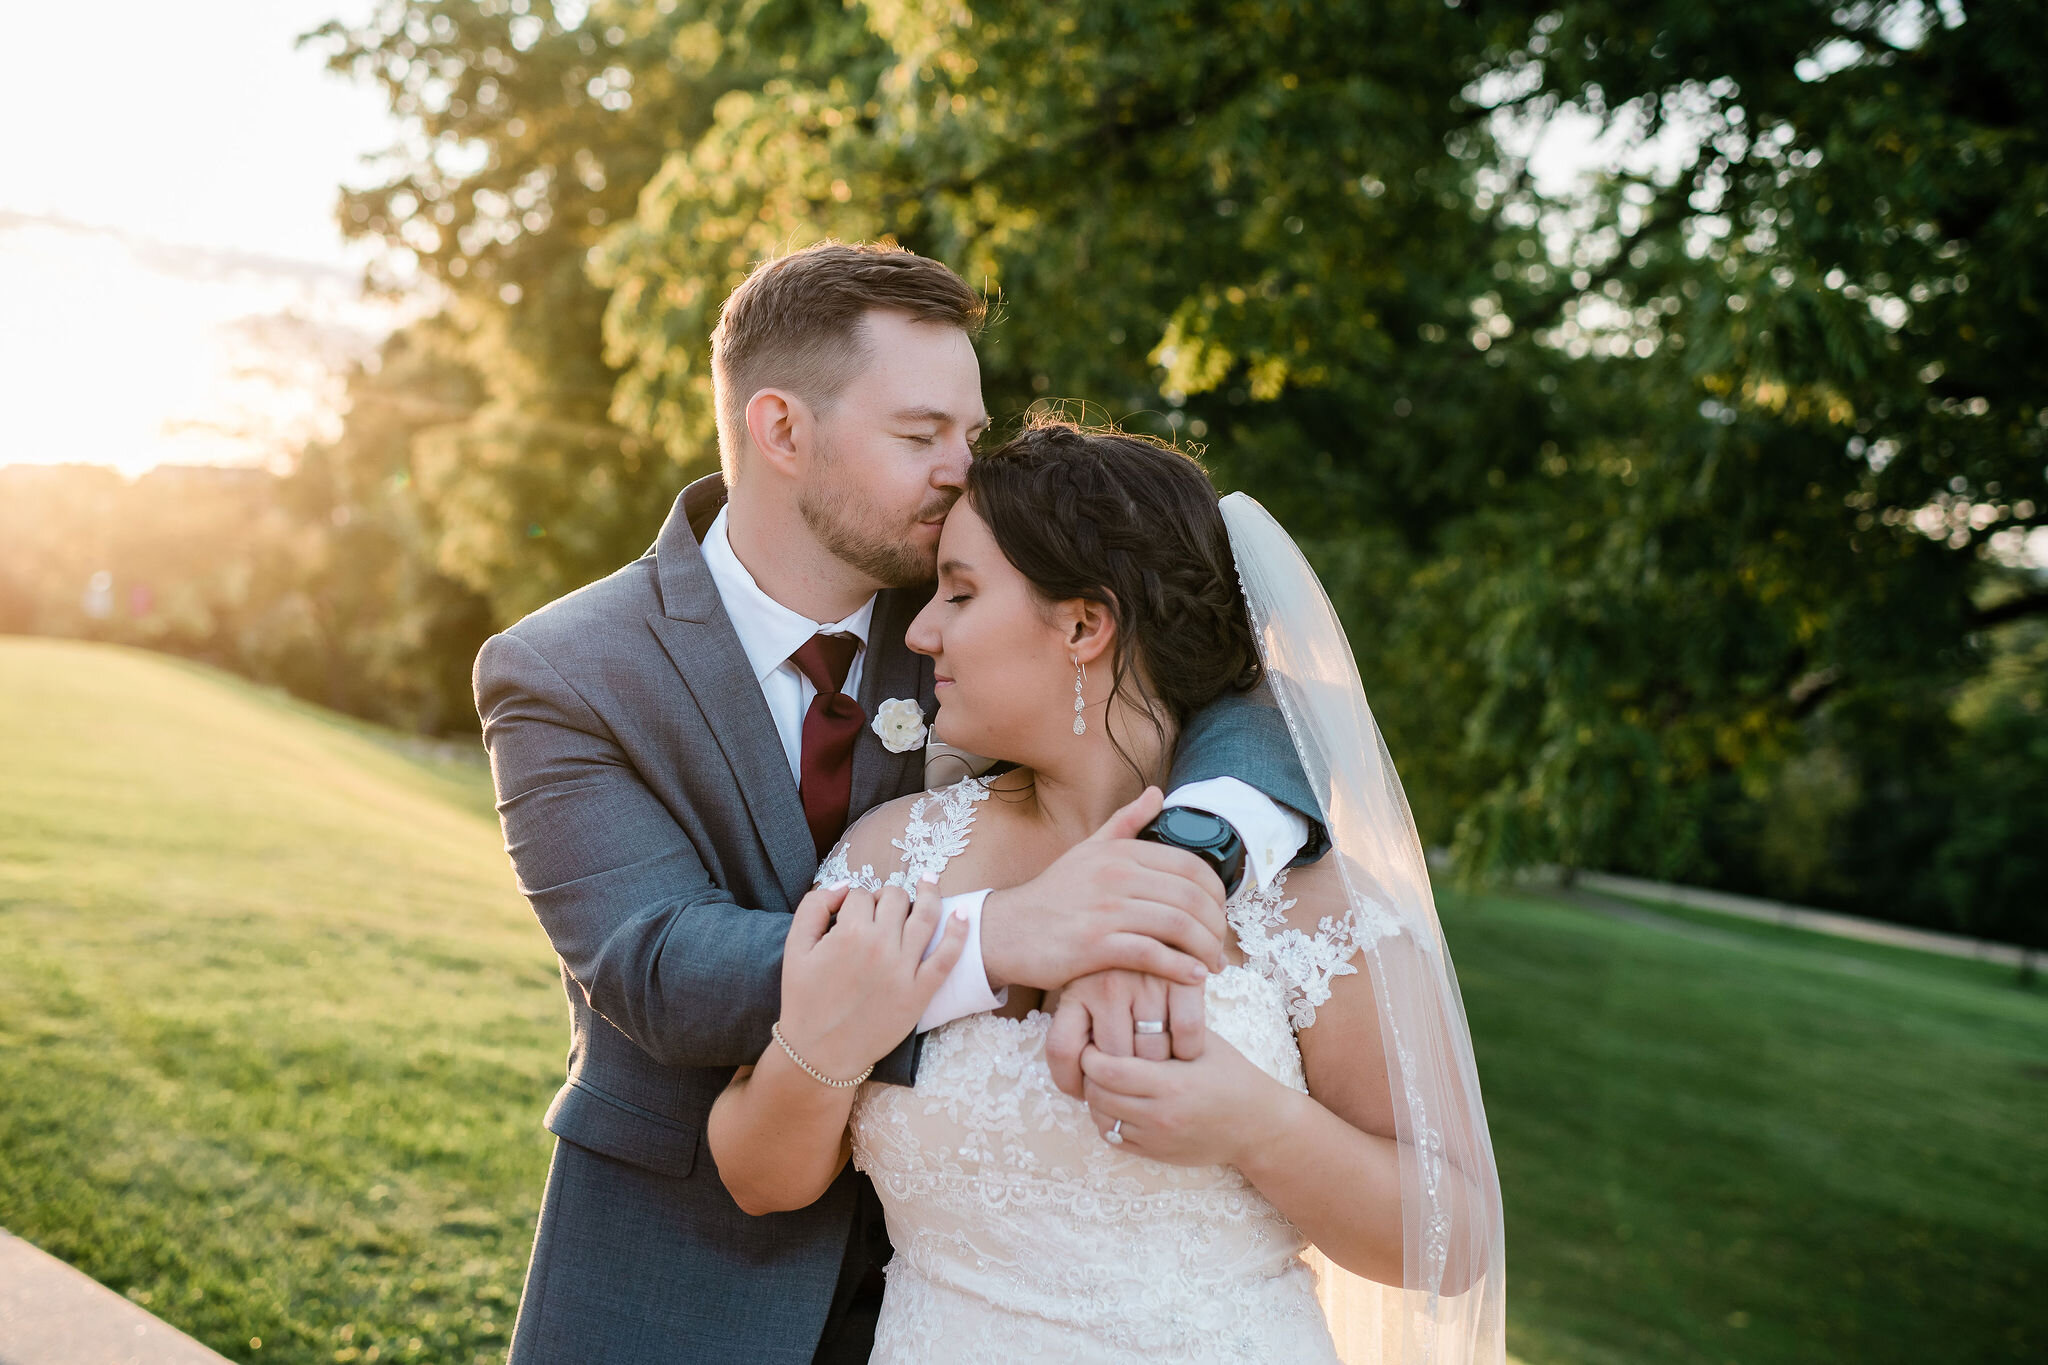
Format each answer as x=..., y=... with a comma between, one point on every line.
x=1090, y=629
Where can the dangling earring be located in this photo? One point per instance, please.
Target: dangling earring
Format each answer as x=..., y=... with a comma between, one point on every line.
x=1080, y=676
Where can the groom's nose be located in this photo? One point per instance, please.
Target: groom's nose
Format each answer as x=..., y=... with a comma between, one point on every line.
x=950, y=472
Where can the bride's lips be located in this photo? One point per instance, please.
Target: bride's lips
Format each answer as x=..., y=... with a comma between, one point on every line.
x=940, y=680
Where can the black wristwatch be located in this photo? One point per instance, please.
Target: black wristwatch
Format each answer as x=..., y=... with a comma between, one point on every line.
x=1209, y=837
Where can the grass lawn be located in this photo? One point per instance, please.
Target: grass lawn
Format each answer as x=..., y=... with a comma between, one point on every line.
x=1733, y=1142
x=276, y=1030
x=276, y=1033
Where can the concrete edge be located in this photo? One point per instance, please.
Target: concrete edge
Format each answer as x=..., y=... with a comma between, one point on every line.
x=54, y=1314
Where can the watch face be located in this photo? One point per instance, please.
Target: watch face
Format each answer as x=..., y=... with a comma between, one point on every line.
x=1194, y=828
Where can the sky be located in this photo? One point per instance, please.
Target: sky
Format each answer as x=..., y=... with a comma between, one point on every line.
x=172, y=284
x=173, y=287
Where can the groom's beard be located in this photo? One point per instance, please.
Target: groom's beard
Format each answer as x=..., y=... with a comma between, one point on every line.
x=847, y=523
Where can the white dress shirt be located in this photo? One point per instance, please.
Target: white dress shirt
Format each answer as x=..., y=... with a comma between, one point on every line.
x=769, y=633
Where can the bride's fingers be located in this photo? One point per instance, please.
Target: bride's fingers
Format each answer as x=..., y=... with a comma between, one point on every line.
x=890, y=909
x=1109, y=1110
x=1130, y=1077
x=857, y=908
x=814, y=914
x=923, y=920
x=1064, y=1041
x=933, y=971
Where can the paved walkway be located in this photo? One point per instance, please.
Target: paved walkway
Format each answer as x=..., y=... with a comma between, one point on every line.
x=51, y=1314
x=1814, y=921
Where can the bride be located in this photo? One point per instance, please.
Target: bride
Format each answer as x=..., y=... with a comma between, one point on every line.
x=1318, y=1184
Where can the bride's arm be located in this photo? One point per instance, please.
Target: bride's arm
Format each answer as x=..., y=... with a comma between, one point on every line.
x=852, y=988
x=1329, y=1160
x=778, y=1137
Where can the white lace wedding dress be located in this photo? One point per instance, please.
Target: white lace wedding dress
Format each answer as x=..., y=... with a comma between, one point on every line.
x=1021, y=1235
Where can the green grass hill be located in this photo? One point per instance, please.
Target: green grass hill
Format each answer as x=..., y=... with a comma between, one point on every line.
x=276, y=1030
x=276, y=1034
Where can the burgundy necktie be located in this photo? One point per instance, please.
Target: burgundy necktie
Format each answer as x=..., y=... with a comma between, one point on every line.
x=825, y=779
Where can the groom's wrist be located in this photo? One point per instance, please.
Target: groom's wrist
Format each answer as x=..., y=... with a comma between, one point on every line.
x=998, y=971
x=967, y=989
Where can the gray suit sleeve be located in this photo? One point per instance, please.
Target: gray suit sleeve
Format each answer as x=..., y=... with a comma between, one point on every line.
x=1242, y=736
x=661, y=953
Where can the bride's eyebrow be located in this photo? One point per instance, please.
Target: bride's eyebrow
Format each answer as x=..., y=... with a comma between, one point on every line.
x=955, y=566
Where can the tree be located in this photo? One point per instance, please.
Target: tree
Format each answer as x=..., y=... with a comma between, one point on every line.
x=1843, y=282
x=1667, y=517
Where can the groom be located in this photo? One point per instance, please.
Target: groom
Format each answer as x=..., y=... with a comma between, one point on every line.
x=676, y=746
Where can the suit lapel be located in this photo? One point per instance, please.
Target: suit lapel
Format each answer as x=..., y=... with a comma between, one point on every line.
x=698, y=637
x=891, y=670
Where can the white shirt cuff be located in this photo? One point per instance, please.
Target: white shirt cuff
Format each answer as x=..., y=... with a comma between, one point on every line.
x=965, y=990
x=1272, y=833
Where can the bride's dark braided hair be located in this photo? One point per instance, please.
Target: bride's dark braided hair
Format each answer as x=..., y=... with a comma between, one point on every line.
x=1132, y=524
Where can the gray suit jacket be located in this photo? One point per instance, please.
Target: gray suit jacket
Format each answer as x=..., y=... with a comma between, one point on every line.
x=656, y=830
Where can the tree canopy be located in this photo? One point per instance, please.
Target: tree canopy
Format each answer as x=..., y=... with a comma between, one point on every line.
x=1678, y=516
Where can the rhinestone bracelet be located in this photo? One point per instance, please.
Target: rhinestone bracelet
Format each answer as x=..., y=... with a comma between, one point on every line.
x=775, y=1030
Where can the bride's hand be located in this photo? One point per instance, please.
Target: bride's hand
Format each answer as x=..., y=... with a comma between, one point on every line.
x=853, y=985
x=1208, y=1112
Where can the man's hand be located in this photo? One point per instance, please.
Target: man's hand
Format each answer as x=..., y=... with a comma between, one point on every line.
x=1111, y=902
x=1104, y=1007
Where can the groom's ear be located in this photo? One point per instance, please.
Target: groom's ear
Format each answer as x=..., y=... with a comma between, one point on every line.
x=1090, y=628
x=779, y=424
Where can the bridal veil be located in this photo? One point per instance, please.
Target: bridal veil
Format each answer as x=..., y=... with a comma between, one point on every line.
x=1450, y=1307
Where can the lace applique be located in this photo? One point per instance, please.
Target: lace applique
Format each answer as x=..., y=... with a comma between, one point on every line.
x=927, y=845
x=1303, y=964
x=834, y=870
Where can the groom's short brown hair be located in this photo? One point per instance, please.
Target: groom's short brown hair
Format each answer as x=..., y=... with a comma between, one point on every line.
x=795, y=324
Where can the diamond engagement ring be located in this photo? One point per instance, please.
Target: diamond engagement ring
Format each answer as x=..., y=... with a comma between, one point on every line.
x=1115, y=1136
x=1149, y=1025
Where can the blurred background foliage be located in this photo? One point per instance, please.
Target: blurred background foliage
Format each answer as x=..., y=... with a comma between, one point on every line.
x=1678, y=520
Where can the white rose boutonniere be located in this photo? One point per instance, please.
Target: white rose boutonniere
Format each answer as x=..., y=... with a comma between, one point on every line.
x=899, y=723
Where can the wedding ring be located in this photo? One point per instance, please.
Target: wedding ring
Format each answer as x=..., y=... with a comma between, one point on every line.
x=1115, y=1136
x=1149, y=1025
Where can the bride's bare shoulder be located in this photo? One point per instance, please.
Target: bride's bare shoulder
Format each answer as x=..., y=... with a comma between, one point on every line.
x=872, y=838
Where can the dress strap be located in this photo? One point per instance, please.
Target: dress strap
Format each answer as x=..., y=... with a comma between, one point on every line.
x=937, y=831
